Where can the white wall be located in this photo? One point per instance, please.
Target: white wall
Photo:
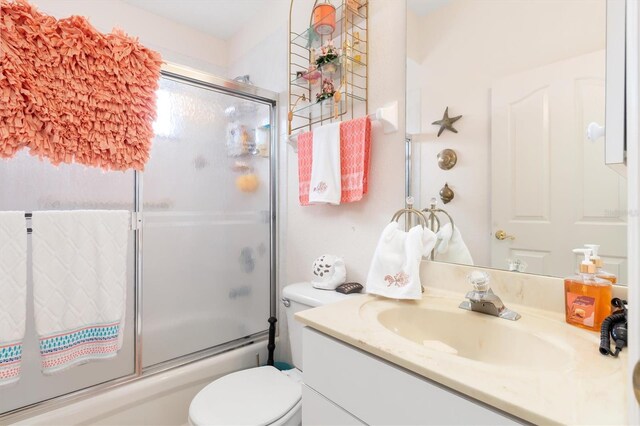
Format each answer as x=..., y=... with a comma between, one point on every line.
x=260, y=48
x=175, y=42
x=460, y=49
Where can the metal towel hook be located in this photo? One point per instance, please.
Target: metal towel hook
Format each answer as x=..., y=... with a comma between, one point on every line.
x=409, y=210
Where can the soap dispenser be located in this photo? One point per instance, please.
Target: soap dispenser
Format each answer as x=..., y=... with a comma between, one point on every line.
x=587, y=297
x=600, y=272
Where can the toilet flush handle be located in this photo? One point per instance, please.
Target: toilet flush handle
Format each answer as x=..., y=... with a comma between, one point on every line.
x=286, y=302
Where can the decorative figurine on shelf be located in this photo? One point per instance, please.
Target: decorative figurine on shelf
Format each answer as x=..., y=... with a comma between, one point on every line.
x=312, y=75
x=324, y=18
x=353, y=5
x=328, y=90
x=326, y=58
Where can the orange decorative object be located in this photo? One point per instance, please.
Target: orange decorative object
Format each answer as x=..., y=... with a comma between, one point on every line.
x=324, y=18
x=72, y=94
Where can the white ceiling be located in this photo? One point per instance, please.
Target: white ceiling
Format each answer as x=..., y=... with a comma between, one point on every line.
x=224, y=18
x=424, y=7
x=219, y=18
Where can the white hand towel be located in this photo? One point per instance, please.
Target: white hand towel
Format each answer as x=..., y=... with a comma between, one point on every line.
x=395, y=268
x=450, y=247
x=79, y=285
x=326, y=178
x=13, y=293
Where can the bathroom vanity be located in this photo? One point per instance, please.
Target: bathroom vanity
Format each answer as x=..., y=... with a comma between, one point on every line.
x=347, y=386
x=370, y=360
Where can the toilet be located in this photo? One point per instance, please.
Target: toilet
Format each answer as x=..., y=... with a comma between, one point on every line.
x=263, y=395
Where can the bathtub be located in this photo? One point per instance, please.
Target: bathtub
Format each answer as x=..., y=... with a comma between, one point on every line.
x=159, y=399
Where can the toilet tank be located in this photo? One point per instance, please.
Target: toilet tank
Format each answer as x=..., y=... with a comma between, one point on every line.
x=301, y=296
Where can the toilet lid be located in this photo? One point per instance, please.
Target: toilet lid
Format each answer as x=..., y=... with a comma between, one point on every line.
x=257, y=396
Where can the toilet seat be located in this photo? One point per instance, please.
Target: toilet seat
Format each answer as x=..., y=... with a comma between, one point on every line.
x=257, y=396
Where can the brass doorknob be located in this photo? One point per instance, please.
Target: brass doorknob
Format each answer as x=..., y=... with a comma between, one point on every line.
x=501, y=235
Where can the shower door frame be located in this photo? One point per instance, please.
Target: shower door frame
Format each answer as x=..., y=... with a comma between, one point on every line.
x=251, y=93
x=224, y=86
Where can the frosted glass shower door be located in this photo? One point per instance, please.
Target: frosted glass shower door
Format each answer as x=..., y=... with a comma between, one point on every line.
x=206, y=222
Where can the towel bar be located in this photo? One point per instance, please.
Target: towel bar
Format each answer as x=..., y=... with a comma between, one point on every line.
x=136, y=221
x=387, y=116
x=409, y=210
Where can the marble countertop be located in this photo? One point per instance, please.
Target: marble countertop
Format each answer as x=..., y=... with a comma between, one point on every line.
x=568, y=383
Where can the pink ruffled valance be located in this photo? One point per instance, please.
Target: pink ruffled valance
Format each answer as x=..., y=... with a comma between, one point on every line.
x=72, y=94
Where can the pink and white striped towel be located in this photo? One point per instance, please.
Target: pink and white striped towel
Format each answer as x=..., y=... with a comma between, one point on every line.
x=305, y=159
x=355, y=151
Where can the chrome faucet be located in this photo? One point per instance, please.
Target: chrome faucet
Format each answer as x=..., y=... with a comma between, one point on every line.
x=482, y=298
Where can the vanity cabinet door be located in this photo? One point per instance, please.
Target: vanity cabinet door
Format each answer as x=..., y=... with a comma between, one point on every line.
x=318, y=410
x=378, y=392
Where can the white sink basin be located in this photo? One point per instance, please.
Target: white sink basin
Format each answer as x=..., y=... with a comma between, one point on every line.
x=475, y=336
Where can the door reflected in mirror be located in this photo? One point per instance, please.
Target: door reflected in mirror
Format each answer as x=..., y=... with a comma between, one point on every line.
x=528, y=77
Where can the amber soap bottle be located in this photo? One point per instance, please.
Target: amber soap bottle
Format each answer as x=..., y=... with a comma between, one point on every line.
x=587, y=297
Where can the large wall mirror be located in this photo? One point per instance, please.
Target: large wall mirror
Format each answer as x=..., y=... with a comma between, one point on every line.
x=527, y=77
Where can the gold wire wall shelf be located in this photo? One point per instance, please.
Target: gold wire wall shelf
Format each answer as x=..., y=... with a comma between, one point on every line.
x=312, y=78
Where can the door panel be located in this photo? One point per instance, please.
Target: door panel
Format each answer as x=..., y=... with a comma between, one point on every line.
x=551, y=188
x=206, y=243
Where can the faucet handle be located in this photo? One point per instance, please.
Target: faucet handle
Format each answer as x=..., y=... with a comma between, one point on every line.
x=479, y=280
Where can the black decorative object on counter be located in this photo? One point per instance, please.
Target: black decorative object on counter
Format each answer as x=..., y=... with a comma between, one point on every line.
x=616, y=326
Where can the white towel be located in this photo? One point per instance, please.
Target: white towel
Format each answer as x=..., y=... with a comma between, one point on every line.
x=450, y=247
x=395, y=268
x=13, y=293
x=79, y=285
x=326, y=177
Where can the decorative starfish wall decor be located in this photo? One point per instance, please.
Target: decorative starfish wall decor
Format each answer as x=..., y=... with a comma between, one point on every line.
x=446, y=122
